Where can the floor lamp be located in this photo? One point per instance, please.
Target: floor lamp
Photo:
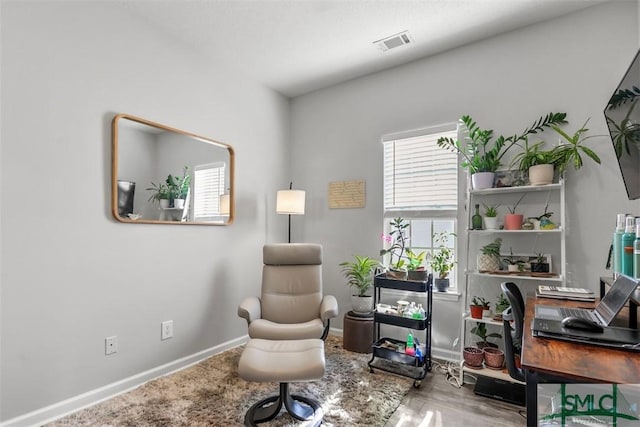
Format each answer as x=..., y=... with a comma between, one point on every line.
x=290, y=202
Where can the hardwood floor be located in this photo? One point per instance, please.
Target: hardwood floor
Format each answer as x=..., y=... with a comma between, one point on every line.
x=437, y=403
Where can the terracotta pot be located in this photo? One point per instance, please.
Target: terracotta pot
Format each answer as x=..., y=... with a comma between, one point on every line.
x=493, y=357
x=473, y=357
x=476, y=311
x=513, y=221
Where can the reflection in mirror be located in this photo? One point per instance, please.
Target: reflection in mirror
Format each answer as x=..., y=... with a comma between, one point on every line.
x=168, y=176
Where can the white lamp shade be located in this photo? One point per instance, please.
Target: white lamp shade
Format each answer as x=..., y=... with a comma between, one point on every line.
x=225, y=203
x=290, y=202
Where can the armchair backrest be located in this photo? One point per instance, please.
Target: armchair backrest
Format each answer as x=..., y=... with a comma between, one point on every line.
x=291, y=282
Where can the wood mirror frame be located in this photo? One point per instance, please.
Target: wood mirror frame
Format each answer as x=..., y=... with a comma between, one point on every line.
x=150, y=154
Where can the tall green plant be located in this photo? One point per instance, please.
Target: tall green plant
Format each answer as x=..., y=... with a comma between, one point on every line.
x=480, y=154
x=359, y=273
x=571, y=152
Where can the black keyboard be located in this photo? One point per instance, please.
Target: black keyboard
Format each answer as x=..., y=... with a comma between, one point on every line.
x=572, y=312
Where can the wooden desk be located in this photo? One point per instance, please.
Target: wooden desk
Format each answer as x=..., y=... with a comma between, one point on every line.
x=578, y=363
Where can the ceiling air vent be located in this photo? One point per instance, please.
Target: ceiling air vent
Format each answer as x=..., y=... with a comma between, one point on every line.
x=394, y=41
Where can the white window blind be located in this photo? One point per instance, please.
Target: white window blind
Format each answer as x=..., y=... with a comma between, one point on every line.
x=419, y=175
x=208, y=185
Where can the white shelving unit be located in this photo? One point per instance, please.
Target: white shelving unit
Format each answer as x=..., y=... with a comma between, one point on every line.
x=522, y=242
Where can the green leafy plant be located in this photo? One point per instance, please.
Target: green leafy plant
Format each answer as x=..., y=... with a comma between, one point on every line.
x=571, y=152
x=398, y=240
x=502, y=303
x=179, y=186
x=480, y=301
x=492, y=248
x=480, y=330
x=414, y=260
x=624, y=134
x=532, y=155
x=160, y=191
x=359, y=273
x=512, y=209
x=491, y=211
x=546, y=214
x=514, y=260
x=480, y=154
x=442, y=259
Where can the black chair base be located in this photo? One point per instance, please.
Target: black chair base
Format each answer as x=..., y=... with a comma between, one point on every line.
x=299, y=407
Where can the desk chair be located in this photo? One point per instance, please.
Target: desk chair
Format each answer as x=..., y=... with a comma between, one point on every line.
x=291, y=305
x=513, y=334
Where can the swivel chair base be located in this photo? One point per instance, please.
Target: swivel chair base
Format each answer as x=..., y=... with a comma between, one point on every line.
x=299, y=407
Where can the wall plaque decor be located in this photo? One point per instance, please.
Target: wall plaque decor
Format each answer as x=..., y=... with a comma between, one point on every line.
x=346, y=194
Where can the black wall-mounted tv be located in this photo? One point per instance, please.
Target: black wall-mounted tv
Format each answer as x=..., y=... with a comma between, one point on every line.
x=623, y=119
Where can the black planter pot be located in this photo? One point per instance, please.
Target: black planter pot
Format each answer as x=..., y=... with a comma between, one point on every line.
x=420, y=275
x=441, y=284
x=539, y=267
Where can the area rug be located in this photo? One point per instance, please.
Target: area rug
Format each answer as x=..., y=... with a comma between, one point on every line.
x=210, y=393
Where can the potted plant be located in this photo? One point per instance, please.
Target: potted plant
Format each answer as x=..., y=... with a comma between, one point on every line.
x=398, y=240
x=480, y=330
x=473, y=357
x=160, y=194
x=415, y=269
x=502, y=303
x=359, y=275
x=512, y=220
x=477, y=306
x=489, y=258
x=514, y=263
x=483, y=156
x=490, y=216
x=538, y=163
x=179, y=187
x=493, y=357
x=543, y=221
x=570, y=153
x=540, y=265
x=442, y=261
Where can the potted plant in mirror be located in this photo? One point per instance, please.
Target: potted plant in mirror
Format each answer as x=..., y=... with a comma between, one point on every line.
x=160, y=194
x=538, y=163
x=490, y=216
x=513, y=220
x=483, y=156
x=489, y=258
x=179, y=188
x=514, y=263
x=480, y=330
x=415, y=269
x=540, y=265
x=397, y=238
x=442, y=261
x=359, y=275
x=477, y=306
x=570, y=152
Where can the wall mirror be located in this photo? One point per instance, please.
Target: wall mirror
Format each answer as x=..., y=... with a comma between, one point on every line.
x=162, y=175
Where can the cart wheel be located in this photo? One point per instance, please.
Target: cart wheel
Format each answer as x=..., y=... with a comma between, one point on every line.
x=416, y=384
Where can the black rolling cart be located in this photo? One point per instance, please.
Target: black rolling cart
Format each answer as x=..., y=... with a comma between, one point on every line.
x=398, y=362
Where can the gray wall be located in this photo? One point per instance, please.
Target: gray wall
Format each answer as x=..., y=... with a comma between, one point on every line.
x=71, y=275
x=569, y=64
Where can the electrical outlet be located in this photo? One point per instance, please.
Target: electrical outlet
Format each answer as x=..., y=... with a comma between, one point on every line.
x=110, y=345
x=167, y=330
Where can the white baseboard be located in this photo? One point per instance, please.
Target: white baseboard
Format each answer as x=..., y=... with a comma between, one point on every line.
x=61, y=409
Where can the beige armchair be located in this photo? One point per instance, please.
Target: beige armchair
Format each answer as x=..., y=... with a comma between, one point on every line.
x=291, y=305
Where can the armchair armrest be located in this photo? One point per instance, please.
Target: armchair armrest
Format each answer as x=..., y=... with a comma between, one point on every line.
x=328, y=308
x=250, y=309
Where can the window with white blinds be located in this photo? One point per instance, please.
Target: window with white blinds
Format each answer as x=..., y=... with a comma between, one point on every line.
x=208, y=186
x=419, y=175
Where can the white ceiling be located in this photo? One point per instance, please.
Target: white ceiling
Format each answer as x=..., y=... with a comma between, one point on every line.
x=297, y=46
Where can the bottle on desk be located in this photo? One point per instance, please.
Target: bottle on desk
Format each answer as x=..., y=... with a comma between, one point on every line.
x=628, y=239
x=636, y=254
x=617, y=244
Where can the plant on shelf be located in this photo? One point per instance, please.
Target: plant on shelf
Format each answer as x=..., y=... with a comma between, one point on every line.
x=481, y=153
x=514, y=263
x=480, y=330
x=179, y=185
x=570, y=153
x=398, y=240
x=359, y=275
x=543, y=221
x=538, y=163
x=489, y=258
x=477, y=306
x=160, y=192
x=442, y=261
x=491, y=216
x=513, y=220
x=540, y=265
x=502, y=303
x=415, y=267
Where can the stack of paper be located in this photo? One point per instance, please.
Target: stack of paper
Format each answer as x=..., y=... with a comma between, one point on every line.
x=578, y=294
